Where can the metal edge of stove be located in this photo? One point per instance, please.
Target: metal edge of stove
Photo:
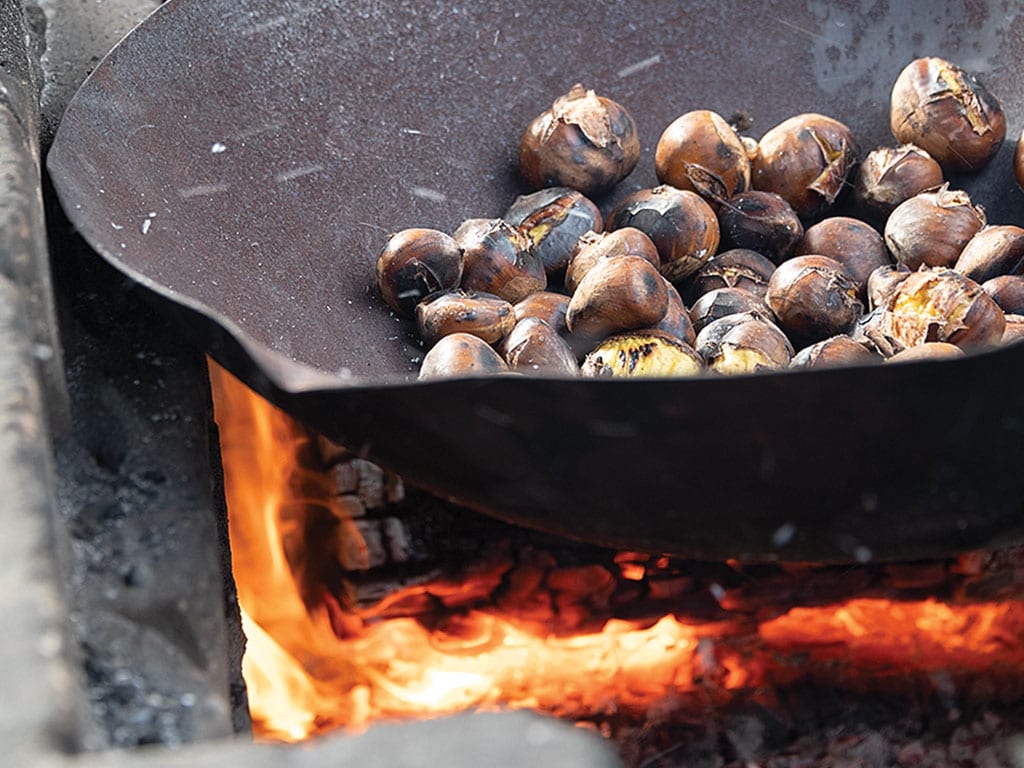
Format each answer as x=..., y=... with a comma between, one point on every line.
x=44, y=719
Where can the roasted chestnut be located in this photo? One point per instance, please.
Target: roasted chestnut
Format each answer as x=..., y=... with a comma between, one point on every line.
x=1014, y=333
x=723, y=302
x=642, y=354
x=932, y=228
x=415, y=263
x=701, y=152
x=942, y=305
x=834, y=352
x=735, y=268
x=594, y=246
x=813, y=297
x=870, y=332
x=930, y=350
x=553, y=221
x=743, y=343
x=618, y=294
x=676, y=321
x=1008, y=292
x=547, y=306
x=498, y=260
x=761, y=222
x=480, y=314
x=460, y=354
x=806, y=160
x=890, y=175
x=584, y=141
x=853, y=243
x=993, y=251
x=883, y=281
x=533, y=346
x=948, y=113
x=682, y=226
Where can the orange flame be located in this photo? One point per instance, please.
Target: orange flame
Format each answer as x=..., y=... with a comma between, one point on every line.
x=303, y=679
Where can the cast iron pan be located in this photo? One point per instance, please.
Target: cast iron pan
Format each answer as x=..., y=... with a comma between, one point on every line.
x=244, y=160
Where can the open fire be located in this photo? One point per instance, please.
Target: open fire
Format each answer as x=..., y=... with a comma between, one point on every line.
x=596, y=637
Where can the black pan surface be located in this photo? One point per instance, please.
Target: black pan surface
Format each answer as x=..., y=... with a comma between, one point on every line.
x=244, y=161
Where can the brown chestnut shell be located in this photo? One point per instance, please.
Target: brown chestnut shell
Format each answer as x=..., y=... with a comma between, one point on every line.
x=534, y=347
x=1008, y=292
x=762, y=222
x=498, y=260
x=735, y=268
x=618, y=294
x=460, y=354
x=834, y=352
x=723, y=302
x=553, y=220
x=933, y=228
x=547, y=306
x=853, y=243
x=415, y=263
x=813, y=297
x=889, y=175
x=699, y=151
x=481, y=314
x=595, y=246
x=993, y=251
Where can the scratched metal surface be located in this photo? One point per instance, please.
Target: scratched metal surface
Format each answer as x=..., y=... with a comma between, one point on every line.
x=245, y=159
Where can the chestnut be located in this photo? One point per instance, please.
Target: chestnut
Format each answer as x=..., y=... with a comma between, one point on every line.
x=834, y=352
x=805, y=160
x=480, y=314
x=547, y=306
x=993, y=251
x=720, y=303
x=1008, y=292
x=890, y=175
x=1014, y=333
x=641, y=354
x=930, y=350
x=932, y=228
x=460, y=354
x=700, y=152
x=743, y=343
x=498, y=260
x=585, y=141
x=594, y=246
x=735, y=268
x=853, y=243
x=682, y=226
x=948, y=113
x=553, y=221
x=415, y=263
x=761, y=222
x=883, y=281
x=870, y=332
x=942, y=305
x=618, y=294
x=676, y=321
x=533, y=346
x=813, y=297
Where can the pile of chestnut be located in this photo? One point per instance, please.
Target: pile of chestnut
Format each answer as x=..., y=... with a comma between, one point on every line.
x=714, y=269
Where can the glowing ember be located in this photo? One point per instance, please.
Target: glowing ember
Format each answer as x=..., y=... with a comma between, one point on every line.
x=312, y=665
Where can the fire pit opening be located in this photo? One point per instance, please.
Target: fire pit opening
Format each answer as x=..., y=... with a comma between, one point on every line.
x=367, y=602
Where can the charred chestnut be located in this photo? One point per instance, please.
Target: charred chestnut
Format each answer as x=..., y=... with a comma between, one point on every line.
x=701, y=152
x=553, y=221
x=834, y=352
x=736, y=268
x=618, y=294
x=480, y=314
x=584, y=141
x=993, y=251
x=932, y=228
x=890, y=175
x=853, y=243
x=676, y=321
x=761, y=222
x=595, y=246
x=415, y=263
x=533, y=346
x=948, y=113
x=931, y=350
x=1008, y=292
x=547, y=306
x=498, y=260
x=682, y=226
x=805, y=160
x=642, y=354
x=942, y=305
x=813, y=297
x=460, y=354
x=743, y=343
x=722, y=302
